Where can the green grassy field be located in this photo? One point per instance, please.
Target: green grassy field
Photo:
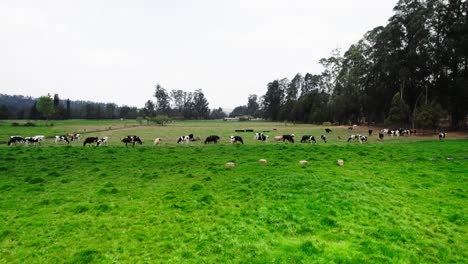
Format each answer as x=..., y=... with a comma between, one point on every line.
x=397, y=201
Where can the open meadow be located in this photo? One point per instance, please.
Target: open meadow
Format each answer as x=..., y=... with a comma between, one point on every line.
x=400, y=200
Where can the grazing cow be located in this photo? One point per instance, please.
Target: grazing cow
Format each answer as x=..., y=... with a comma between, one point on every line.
x=381, y=136
x=352, y=137
x=384, y=131
x=308, y=138
x=32, y=140
x=91, y=140
x=260, y=136
x=235, y=139
x=15, y=139
x=102, y=141
x=328, y=130
x=370, y=132
x=277, y=138
x=289, y=138
x=185, y=138
x=362, y=139
x=127, y=141
x=442, y=135
x=74, y=137
x=212, y=138
x=157, y=141
x=350, y=128
x=135, y=139
x=323, y=138
x=61, y=138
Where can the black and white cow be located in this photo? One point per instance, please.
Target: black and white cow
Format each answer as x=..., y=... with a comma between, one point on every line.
x=323, y=138
x=289, y=138
x=91, y=140
x=102, y=141
x=74, y=136
x=362, y=139
x=61, y=138
x=135, y=139
x=187, y=139
x=308, y=138
x=328, y=130
x=442, y=135
x=15, y=140
x=32, y=140
x=260, y=136
x=235, y=139
x=212, y=138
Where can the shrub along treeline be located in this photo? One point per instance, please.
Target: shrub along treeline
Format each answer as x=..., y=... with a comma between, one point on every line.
x=411, y=72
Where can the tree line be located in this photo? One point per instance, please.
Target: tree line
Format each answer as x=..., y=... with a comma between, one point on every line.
x=176, y=104
x=411, y=72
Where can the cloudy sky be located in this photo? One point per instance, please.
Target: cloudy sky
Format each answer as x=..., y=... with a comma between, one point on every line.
x=116, y=51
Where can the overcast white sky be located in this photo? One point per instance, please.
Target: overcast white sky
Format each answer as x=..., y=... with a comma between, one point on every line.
x=116, y=51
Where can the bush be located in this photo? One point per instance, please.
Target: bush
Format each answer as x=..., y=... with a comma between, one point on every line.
x=326, y=123
x=30, y=124
x=15, y=124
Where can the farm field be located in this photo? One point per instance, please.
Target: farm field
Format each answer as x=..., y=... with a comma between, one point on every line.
x=398, y=201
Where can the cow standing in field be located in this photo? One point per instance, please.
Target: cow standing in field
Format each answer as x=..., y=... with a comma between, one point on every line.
x=370, y=132
x=131, y=140
x=236, y=139
x=32, y=140
x=62, y=138
x=328, y=130
x=91, y=140
x=15, y=140
x=277, y=138
x=442, y=135
x=381, y=136
x=323, y=138
x=187, y=138
x=102, y=141
x=308, y=138
x=212, y=138
x=74, y=136
x=289, y=138
x=157, y=141
x=260, y=136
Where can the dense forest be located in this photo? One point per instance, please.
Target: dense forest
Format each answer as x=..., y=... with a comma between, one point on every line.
x=411, y=72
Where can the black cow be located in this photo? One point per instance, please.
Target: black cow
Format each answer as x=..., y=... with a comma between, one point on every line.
x=15, y=139
x=212, y=138
x=90, y=140
x=235, y=139
x=324, y=138
x=328, y=130
x=442, y=135
x=308, y=138
x=381, y=136
x=370, y=132
x=289, y=138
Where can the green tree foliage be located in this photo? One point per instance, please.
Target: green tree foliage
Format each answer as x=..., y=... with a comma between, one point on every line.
x=4, y=112
x=162, y=100
x=200, y=105
x=45, y=106
x=217, y=113
x=399, y=111
x=429, y=115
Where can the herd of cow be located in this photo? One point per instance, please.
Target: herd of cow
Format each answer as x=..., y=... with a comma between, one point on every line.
x=132, y=139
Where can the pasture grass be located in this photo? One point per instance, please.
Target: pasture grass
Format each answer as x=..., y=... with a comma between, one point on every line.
x=389, y=203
